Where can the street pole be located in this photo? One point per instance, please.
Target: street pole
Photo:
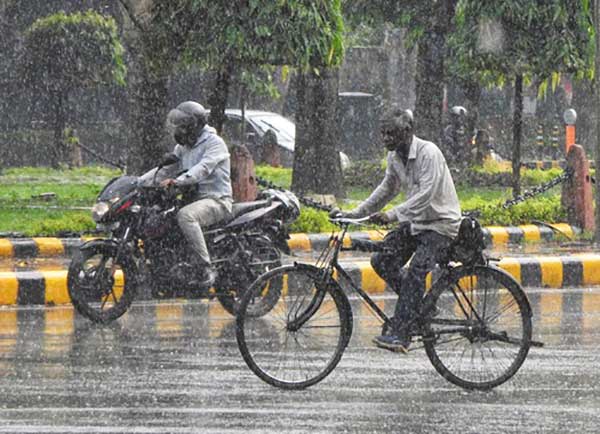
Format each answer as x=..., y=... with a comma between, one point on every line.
x=597, y=113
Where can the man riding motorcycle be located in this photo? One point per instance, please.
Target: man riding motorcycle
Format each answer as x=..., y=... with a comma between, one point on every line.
x=204, y=166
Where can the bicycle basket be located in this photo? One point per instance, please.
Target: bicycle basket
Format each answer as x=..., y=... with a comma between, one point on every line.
x=469, y=244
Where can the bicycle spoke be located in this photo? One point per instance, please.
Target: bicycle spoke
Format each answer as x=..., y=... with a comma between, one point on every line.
x=310, y=332
x=496, y=330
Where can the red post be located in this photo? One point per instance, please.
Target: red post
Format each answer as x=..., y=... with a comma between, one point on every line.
x=243, y=176
x=577, y=196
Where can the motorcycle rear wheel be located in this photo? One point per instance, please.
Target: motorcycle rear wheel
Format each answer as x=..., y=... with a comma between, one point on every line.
x=264, y=256
x=101, y=286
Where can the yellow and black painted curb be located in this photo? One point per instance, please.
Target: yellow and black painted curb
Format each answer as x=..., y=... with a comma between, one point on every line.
x=582, y=270
x=493, y=236
x=20, y=248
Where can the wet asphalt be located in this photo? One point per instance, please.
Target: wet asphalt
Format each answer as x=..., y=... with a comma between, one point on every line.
x=174, y=367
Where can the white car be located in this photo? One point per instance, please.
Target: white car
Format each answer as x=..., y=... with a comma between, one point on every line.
x=257, y=124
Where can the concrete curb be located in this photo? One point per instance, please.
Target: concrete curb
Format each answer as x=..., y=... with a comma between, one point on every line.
x=493, y=236
x=582, y=270
x=20, y=248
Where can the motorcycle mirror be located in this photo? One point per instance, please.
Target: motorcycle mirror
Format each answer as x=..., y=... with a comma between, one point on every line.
x=169, y=159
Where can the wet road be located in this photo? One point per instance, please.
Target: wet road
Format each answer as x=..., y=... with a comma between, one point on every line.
x=174, y=367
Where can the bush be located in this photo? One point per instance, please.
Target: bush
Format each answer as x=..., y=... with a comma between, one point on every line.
x=545, y=208
x=281, y=177
x=364, y=174
x=312, y=221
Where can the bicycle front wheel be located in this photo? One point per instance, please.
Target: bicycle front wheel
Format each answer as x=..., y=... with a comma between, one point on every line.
x=478, y=332
x=301, y=339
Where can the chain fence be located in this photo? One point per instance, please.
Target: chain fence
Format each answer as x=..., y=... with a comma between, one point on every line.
x=311, y=203
x=528, y=194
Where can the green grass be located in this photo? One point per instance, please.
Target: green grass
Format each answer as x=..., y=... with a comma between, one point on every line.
x=79, y=188
x=19, y=208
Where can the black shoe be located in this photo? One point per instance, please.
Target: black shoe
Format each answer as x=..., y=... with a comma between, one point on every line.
x=398, y=344
x=206, y=277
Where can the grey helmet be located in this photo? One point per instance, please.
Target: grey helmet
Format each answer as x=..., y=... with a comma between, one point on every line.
x=458, y=110
x=186, y=122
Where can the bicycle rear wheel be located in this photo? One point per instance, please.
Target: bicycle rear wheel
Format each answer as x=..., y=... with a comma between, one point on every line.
x=479, y=332
x=301, y=340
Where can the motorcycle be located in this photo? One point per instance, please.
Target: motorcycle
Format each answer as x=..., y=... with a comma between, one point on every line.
x=146, y=247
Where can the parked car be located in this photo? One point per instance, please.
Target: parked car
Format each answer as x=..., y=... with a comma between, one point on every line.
x=257, y=124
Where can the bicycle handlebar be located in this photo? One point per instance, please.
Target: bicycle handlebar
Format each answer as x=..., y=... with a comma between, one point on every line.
x=349, y=221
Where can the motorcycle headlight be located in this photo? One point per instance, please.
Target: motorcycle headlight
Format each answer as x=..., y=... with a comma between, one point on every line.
x=99, y=210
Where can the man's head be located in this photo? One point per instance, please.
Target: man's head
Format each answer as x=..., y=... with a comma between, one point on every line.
x=458, y=116
x=186, y=122
x=397, y=127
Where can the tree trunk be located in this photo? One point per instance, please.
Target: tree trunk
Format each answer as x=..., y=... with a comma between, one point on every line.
x=148, y=113
x=473, y=96
x=586, y=112
x=517, y=127
x=60, y=122
x=218, y=99
x=430, y=86
x=430, y=72
x=597, y=112
x=317, y=166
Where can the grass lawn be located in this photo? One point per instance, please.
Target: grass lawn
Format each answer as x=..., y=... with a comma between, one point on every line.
x=22, y=210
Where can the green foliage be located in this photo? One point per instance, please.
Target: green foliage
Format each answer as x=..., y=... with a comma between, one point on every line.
x=312, y=221
x=282, y=177
x=78, y=50
x=496, y=40
x=303, y=33
x=365, y=174
x=545, y=208
x=495, y=174
x=36, y=222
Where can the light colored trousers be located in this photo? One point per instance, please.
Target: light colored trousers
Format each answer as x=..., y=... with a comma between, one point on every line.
x=204, y=212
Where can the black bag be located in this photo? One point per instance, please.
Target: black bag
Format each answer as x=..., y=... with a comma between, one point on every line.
x=468, y=245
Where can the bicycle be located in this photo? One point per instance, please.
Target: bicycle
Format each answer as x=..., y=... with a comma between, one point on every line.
x=475, y=320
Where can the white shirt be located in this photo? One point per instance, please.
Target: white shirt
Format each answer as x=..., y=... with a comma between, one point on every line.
x=431, y=201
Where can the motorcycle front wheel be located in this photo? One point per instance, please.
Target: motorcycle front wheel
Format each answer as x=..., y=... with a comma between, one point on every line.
x=260, y=255
x=101, y=286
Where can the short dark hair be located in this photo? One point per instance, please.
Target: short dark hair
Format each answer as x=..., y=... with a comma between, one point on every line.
x=397, y=117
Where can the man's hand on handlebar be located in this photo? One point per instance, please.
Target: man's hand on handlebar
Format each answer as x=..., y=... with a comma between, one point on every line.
x=166, y=183
x=379, y=218
x=336, y=213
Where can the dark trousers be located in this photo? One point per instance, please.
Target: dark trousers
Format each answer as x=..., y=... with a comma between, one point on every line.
x=425, y=249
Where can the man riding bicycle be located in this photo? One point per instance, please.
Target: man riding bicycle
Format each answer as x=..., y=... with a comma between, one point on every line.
x=428, y=219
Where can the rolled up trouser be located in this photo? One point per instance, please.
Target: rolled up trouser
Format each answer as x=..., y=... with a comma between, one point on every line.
x=193, y=217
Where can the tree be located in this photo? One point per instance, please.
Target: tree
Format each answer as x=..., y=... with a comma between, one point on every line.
x=157, y=36
x=228, y=37
x=523, y=42
x=428, y=25
x=306, y=35
x=62, y=53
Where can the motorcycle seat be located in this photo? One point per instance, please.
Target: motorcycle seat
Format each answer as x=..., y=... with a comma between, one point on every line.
x=240, y=208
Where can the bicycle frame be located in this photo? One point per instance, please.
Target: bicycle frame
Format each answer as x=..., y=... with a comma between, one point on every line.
x=334, y=248
x=331, y=265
